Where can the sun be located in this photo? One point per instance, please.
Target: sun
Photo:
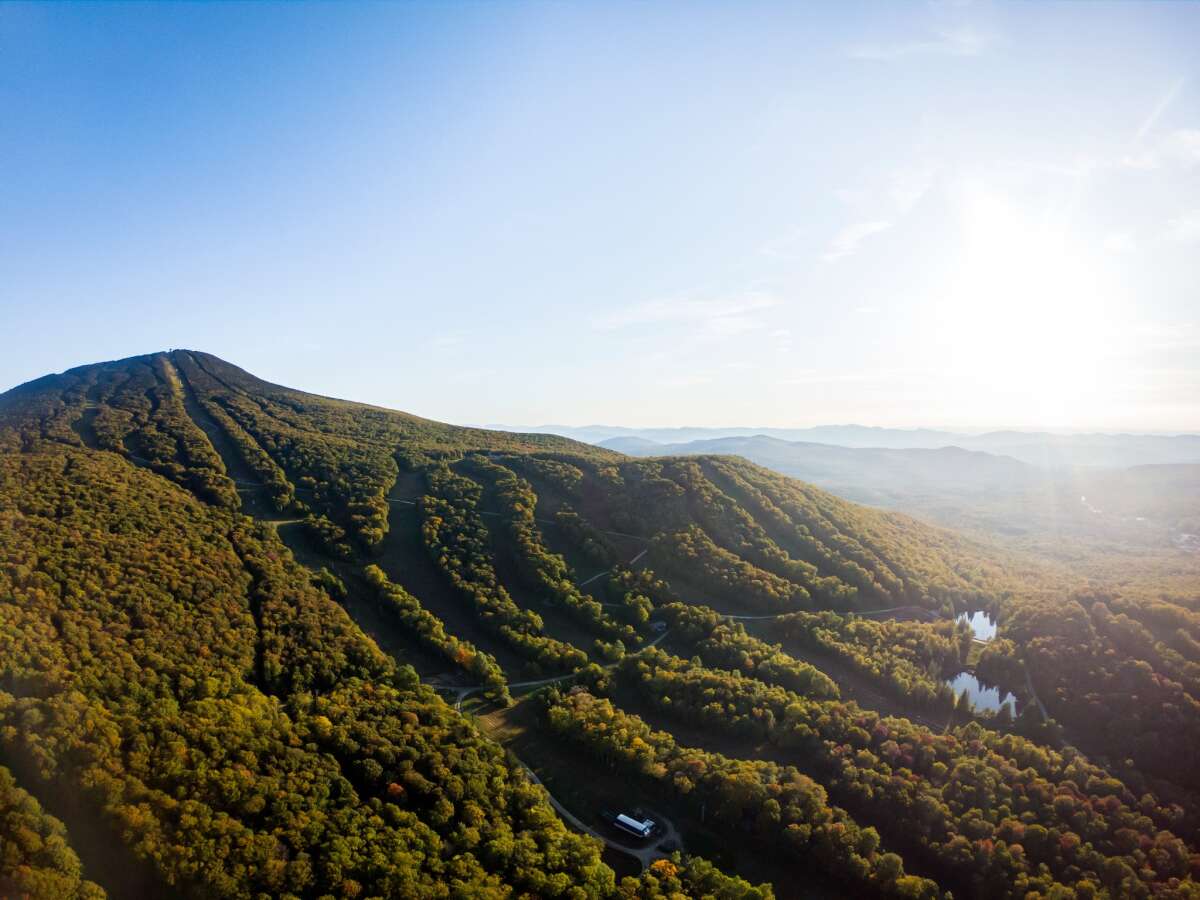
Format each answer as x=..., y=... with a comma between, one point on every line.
x=1026, y=321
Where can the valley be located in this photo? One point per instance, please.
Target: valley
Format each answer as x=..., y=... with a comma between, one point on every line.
x=1108, y=509
x=855, y=551
x=288, y=621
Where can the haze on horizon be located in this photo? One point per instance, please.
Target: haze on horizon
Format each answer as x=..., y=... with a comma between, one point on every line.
x=956, y=215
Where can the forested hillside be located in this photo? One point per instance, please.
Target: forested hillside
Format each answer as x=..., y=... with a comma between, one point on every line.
x=276, y=644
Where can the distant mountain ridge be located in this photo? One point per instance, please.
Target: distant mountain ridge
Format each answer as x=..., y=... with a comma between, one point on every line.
x=240, y=622
x=995, y=493
x=1037, y=448
x=823, y=461
x=843, y=435
x=880, y=476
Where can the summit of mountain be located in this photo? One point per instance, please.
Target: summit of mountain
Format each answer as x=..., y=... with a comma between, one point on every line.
x=241, y=624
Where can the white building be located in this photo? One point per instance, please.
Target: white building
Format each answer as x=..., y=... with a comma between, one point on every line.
x=634, y=826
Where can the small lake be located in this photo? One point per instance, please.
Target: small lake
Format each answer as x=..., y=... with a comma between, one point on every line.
x=982, y=699
x=982, y=625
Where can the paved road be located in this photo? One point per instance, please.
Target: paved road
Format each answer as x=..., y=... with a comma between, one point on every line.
x=462, y=693
x=631, y=564
x=916, y=610
x=644, y=855
x=412, y=501
x=919, y=611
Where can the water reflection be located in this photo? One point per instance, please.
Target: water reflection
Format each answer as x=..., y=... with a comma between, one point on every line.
x=982, y=699
x=982, y=625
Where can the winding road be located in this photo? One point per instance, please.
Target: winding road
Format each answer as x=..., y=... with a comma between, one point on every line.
x=412, y=501
x=644, y=855
x=631, y=564
x=917, y=611
x=461, y=693
x=237, y=472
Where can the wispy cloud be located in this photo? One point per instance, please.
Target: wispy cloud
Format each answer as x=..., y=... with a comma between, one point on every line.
x=909, y=185
x=685, y=381
x=1164, y=102
x=782, y=338
x=1120, y=242
x=1180, y=147
x=789, y=245
x=721, y=315
x=957, y=41
x=847, y=241
x=727, y=326
x=1185, y=229
x=879, y=204
x=1183, y=145
x=816, y=376
x=1154, y=338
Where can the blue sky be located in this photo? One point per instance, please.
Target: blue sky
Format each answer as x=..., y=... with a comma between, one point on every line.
x=946, y=214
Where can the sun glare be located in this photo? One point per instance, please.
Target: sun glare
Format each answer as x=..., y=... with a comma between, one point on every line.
x=1026, y=319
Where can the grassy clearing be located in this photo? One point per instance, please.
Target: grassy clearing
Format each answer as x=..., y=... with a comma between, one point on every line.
x=853, y=685
x=404, y=559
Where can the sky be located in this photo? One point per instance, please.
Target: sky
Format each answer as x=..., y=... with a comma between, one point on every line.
x=769, y=214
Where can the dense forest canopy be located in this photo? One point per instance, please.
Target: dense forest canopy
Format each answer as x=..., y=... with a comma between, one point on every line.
x=277, y=644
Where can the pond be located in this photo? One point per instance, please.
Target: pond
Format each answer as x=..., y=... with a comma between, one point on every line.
x=982, y=699
x=982, y=625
